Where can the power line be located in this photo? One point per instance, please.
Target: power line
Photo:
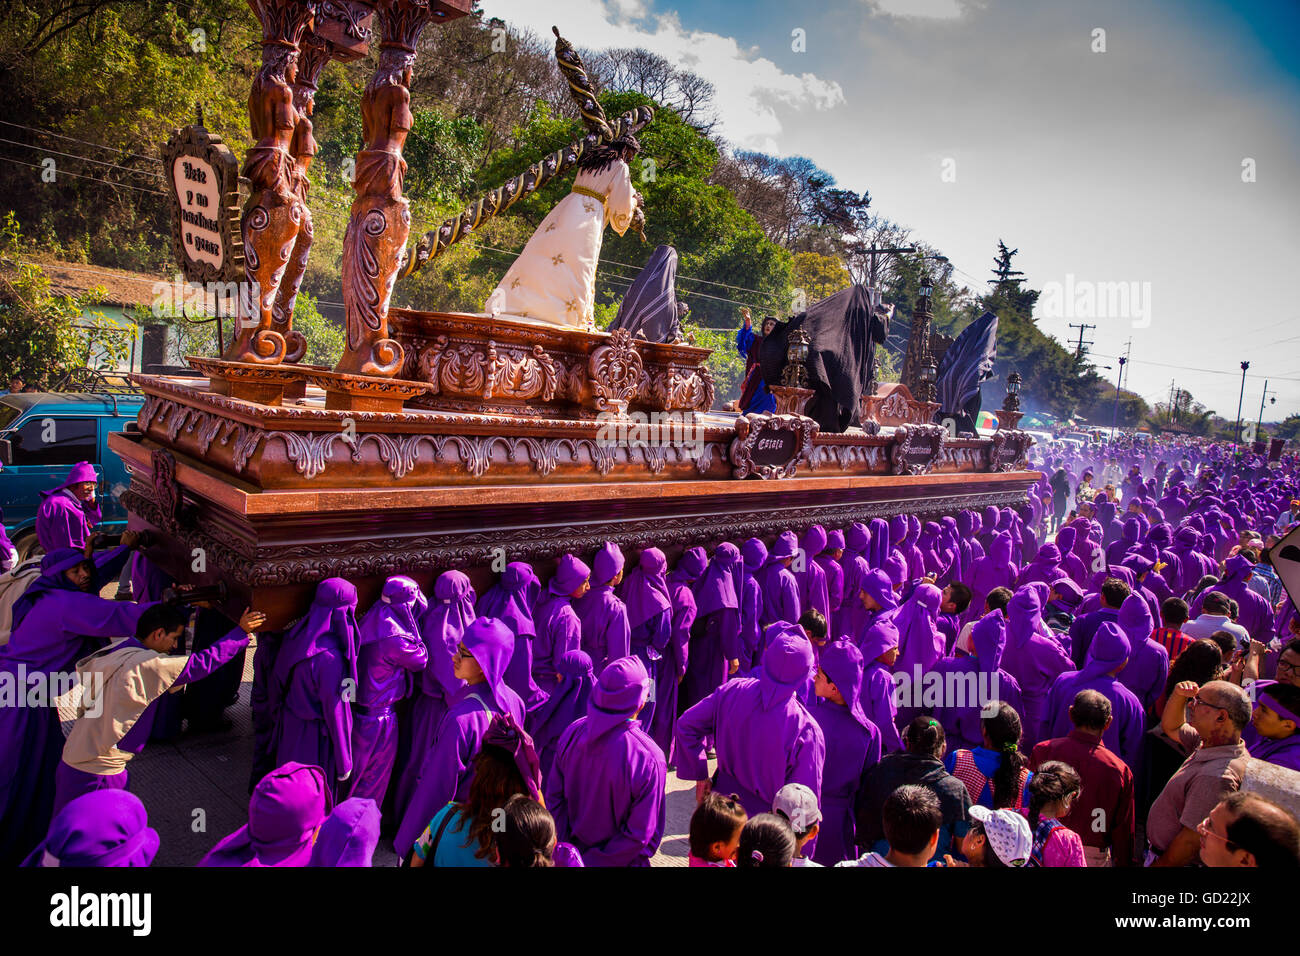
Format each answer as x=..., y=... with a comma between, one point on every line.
x=105, y=182
x=1190, y=368
x=84, y=159
x=73, y=139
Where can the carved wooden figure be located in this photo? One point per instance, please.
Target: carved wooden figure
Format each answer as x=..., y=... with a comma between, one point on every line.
x=274, y=213
x=341, y=32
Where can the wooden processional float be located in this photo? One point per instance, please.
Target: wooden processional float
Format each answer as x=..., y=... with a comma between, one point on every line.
x=462, y=440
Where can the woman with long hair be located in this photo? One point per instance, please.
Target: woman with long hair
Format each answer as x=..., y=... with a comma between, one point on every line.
x=462, y=833
x=996, y=773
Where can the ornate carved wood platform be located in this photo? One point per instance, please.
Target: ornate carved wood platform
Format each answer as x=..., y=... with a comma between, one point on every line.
x=480, y=364
x=278, y=497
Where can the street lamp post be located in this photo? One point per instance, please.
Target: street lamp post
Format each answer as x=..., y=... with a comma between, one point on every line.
x=1236, y=435
x=1114, y=422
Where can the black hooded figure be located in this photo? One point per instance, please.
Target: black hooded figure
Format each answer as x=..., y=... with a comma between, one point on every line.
x=650, y=305
x=843, y=332
x=967, y=363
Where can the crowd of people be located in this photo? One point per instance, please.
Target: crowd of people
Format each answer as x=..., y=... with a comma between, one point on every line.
x=1097, y=677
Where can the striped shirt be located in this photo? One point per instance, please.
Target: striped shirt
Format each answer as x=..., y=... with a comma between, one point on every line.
x=1172, y=640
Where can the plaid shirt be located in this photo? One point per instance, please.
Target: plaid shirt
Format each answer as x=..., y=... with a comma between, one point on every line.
x=1172, y=640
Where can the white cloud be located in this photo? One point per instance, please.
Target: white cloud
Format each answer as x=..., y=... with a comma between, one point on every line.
x=921, y=9
x=754, y=96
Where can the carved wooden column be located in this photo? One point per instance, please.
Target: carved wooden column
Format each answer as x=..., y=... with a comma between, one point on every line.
x=381, y=218
x=273, y=216
x=341, y=32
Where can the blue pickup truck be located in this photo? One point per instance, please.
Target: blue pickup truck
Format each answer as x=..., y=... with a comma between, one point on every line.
x=42, y=435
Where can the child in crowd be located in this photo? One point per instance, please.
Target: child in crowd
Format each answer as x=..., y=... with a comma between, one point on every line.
x=715, y=831
x=1052, y=790
x=766, y=841
x=797, y=806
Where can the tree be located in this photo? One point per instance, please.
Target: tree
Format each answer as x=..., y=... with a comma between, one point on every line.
x=1289, y=429
x=819, y=276
x=42, y=340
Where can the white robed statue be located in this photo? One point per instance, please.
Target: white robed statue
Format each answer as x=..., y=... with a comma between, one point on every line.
x=554, y=279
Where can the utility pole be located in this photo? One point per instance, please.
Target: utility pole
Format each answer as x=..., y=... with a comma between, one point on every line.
x=1259, y=425
x=1119, y=383
x=873, y=252
x=1082, y=327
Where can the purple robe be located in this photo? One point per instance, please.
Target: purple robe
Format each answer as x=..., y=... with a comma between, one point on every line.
x=101, y=829
x=309, y=695
x=754, y=555
x=55, y=625
x=446, y=768
x=1284, y=752
x=1109, y=650
x=992, y=571
x=715, y=637
x=780, y=592
x=690, y=567
x=765, y=737
x=980, y=675
x=852, y=748
x=558, y=628
x=813, y=591
x=391, y=653
x=1256, y=614
x=649, y=612
x=606, y=789
x=63, y=520
x=449, y=612
x=286, y=809
x=567, y=703
x=1148, y=663
x=1033, y=661
x=511, y=600
x=349, y=835
x=606, y=634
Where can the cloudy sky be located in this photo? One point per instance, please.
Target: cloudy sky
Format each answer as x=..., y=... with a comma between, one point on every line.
x=1108, y=140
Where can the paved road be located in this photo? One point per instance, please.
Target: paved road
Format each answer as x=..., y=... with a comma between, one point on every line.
x=196, y=790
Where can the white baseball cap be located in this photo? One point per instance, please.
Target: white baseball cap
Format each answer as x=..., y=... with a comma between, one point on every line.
x=1007, y=832
x=797, y=804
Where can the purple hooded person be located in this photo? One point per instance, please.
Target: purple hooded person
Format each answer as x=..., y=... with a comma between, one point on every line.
x=829, y=562
x=285, y=812
x=566, y=704
x=68, y=512
x=765, y=737
x=994, y=570
x=349, y=835
x=1033, y=661
x=558, y=628
x=448, y=766
x=310, y=695
x=754, y=556
x=1256, y=614
x=511, y=600
x=444, y=621
x=779, y=585
x=811, y=579
x=852, y=748
x=974, y=684
x=681, y=583
x=97, y=829
x=1108, y=654
x=1070, y=563
x=58, y=620
x=920, y=643
x=1148, y=663
x=1045, y=567
x=606, y=634
x=650, y=614
x=390, y=655
x=715, y=639
x=606, y=789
